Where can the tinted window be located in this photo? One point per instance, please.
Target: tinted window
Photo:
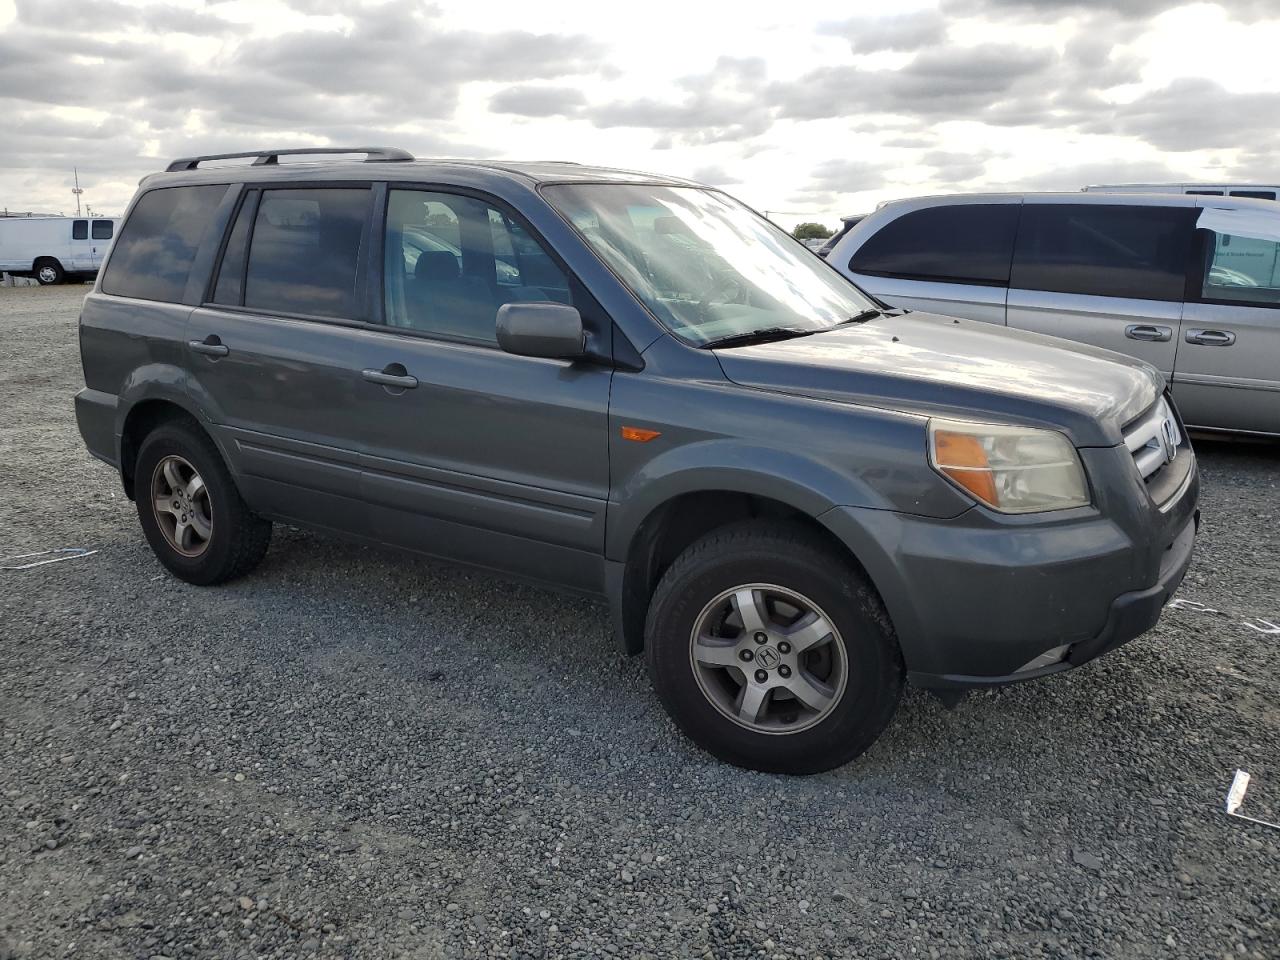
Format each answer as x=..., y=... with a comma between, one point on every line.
x=1104, y=250
x=452, y=261
x=1255, y=194
x=79, y=229
x=961, y=243
x=1206, y=193
x=231, y=273
x=304, y=252
x=102, y=229
x=1242, y=269
x=152, y=256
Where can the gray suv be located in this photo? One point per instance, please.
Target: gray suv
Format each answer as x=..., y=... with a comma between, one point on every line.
x=792, y=497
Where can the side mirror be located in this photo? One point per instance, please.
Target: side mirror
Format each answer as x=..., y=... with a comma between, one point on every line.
x=551, y=330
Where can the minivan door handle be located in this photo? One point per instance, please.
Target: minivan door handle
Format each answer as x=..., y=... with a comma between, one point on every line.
x=392, y=375
x=210, y=346
x=1211, y=338
x=1148, y=331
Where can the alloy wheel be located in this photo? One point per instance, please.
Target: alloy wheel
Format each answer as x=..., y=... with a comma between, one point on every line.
x=768, y=658
x=180, y=502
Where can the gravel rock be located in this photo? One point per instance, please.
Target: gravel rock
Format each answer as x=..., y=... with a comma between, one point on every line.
x=384, y=813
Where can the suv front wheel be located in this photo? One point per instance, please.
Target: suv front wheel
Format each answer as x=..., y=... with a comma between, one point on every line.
x=190, y=509
x=771, y=651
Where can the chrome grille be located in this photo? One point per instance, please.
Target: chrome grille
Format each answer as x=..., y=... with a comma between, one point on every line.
x=1154, y=439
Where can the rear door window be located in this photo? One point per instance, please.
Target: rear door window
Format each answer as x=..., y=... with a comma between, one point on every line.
x=305, y=250
x=151, y=259
x=79, y=229
x=1255, y=194
x=1242, y=270
x=101, y=229
x=1104, y=250
x=957, y=243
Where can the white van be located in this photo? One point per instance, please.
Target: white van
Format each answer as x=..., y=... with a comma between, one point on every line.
x=1252, y=191
x=54, y=249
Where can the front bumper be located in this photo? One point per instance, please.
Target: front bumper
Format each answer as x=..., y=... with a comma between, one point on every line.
x=984, y=599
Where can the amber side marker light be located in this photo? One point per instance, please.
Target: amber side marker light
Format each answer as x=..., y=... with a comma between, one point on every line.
x=962, y=458
x=639, y=434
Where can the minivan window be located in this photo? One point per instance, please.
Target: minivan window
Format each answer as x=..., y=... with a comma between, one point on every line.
x=1242, y=270
x=955, y=243
x=79, y=229
x=101, y=229
x=304, y=251
x=1104, y=250
x=152, y=257
x=1255, y=194
x=452, y=261
x=704, y=265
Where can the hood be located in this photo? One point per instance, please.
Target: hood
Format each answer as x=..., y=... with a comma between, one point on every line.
x=939, y=366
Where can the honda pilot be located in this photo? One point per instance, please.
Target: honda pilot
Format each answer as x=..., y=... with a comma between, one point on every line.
x=793, y=499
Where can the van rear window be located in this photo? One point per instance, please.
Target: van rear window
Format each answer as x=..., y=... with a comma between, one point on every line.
x=152, y=257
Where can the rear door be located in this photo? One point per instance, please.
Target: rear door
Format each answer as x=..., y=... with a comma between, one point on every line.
x=1228, y=369
x=472, y=453
x=951, y=259
x=80, y=251
x=1110, y=274
x=101, y=232
x=271, y=353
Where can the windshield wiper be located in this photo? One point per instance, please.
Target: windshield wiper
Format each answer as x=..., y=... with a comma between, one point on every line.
x=862, y=316
x=766, y=335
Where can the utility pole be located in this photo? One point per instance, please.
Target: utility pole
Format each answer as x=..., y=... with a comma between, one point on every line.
x=77, y=191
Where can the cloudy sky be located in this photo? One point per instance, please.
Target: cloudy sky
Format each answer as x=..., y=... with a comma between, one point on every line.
x=800, y=114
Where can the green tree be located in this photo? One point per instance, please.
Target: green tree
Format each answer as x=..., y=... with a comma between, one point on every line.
x=811, y=231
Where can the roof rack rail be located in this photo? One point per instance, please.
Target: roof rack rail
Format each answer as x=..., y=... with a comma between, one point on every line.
x=262, y=158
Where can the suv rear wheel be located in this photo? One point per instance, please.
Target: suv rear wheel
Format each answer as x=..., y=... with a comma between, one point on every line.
x=771, y=651
x=190, y=509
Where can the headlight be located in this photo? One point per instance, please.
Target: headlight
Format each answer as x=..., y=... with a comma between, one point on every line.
x=1010, y=469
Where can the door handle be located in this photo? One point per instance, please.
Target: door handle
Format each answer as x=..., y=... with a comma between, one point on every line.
x=1211, y=338
x=392, y=375
x=210, y=346
x=1147, y=331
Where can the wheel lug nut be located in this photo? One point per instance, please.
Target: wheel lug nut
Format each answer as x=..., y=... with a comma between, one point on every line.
x=762, y=676
x=762, y=638
x=746, y=655
x=784, y=647
x=784, y=670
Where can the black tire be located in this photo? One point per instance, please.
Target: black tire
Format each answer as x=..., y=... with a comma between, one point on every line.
x=48, y=272
x=756, y=552
x=238, y=539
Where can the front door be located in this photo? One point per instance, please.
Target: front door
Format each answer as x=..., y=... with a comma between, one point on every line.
x=1110, y=274
x=1228, y=368
x=271, y=355
x=472, y=453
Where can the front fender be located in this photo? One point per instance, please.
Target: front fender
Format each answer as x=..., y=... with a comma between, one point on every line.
x=732, y=466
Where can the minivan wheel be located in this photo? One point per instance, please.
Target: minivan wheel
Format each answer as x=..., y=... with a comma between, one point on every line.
x=190, y=509
x=771, y=651
x=49, y=272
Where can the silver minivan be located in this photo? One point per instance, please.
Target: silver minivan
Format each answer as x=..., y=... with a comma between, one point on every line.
x=1188, y=283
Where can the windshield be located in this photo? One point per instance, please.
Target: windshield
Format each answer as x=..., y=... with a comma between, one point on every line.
x=705, y=265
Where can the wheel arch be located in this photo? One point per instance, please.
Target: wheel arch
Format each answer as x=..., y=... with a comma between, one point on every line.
x=672, y=525
x=141, y=418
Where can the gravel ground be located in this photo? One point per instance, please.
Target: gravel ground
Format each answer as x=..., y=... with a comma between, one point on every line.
x=355, y=753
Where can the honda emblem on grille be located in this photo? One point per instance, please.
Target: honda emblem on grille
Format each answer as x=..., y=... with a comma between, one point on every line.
x=1169, y=439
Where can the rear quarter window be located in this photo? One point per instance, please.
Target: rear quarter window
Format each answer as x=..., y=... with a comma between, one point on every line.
x=957, y=243
x=152, y=256
x=1104, y=250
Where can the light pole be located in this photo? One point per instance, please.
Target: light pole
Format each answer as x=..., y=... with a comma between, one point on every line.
x=76, y=190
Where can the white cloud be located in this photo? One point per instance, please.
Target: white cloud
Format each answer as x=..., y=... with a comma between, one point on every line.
x=789, y=107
